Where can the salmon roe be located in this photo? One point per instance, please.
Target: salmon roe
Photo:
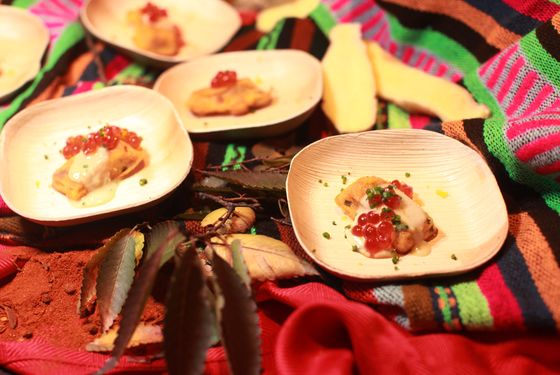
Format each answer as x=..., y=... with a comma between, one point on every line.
x=108, y=137
x=379, y=226
x=224, y=78
x=154, y=12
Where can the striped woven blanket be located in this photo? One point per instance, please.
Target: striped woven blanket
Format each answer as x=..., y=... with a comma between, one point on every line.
x=505, y=52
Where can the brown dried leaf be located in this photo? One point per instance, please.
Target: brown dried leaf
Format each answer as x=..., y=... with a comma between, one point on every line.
x=266, y=258
x=143, y=335
x=264, y=180
x=91, y=270
x=116, y=274
x=238, y=319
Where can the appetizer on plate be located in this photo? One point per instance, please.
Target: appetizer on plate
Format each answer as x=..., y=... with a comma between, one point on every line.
x=154, y=31
x=95, y=163
x=387, y=218
x=228, y=95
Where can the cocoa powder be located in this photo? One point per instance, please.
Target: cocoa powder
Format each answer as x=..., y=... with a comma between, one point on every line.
x=44, y=296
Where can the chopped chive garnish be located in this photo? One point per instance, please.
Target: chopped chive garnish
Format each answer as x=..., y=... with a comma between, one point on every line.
x=453, y=256
x=327, y=235
x=407, y=174
x=143, y=181
x=355, y=248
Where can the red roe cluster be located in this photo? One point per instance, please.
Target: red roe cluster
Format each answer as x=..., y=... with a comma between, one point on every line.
x=379, y=226
x=224, y=78
x=153, y=12
x=108, y=137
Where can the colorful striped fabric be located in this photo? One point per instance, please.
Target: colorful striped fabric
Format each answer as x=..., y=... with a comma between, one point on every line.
x=504, y=51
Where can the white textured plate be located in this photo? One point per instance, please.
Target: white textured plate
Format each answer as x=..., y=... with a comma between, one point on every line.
x=23, y=40
x=294, y=77
x=472, y=219
x=31, y=141
x=206, y=26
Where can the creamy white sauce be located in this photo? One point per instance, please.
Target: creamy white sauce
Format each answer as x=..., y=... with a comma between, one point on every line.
x=93, y=172
x=411, y=214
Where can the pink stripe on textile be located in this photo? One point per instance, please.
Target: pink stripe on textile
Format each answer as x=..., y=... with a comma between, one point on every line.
x=83, y=87
x=429, y=63
x=442, y=69
x=408, y=51
x=78, y=3
x=532, y=149
x=357, y=11
x=535, y=9
x=484, y=68
x=420, y=59
x=372, y=22
x=550, y=168
x=455, y=77
x=554, y=106
x=500, y=68
x=377, y=36
x=4, y=209
x=69, y=13
x=419, y=121
x=339, y=4
x=392, y=47
x=51, y=25
x=509, y=79
x=7, y=265
x=541, y=97
x=521, y=92
x=518, y=128
x=43, y=9
x=116, y=66
x=501, y=301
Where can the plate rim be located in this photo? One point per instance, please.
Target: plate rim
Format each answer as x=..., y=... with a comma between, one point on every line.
x=155, y=57
x=316, y=99
x=68, y=100
x=499, y=237
x=45, y=44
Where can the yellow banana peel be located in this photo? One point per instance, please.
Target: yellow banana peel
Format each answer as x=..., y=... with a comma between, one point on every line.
x=417, y=91
x=349, y=86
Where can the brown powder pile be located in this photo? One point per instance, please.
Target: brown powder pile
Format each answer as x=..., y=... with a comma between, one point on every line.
x=44, y=297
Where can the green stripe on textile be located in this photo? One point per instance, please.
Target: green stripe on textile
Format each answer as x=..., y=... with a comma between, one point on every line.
x=435, y=42
x=71, y=35
x=398, y=118
x=555, y=1
x=445, y=309
x=473, y=306
x=234, y=153
x=494, y=138
x=133, y=70
x=270, y=40
x=23, y=3
x=543, y=61
x=323, y=18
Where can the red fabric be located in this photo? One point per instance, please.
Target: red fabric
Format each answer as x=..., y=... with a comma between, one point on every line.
x=312, y=329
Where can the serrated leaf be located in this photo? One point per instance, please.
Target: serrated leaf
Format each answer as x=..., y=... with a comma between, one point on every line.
x=160, y=234
x=91, y=270
x=264, y=180
x=158, y=243
x=188, y=325
x=266, y=258
x=239, y=321
x=116, y=274
x=143, y=334
x=238, y=262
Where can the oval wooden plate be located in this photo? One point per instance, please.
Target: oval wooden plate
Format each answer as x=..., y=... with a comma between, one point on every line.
x=31, y=141
x=294, y=78
x=20, y=64
x=457, y=189
x=206, y=26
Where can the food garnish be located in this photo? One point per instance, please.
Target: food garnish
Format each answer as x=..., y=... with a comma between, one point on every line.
x=94, y=163
x=228, y=95
x=388, y=223
x=154, y=31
